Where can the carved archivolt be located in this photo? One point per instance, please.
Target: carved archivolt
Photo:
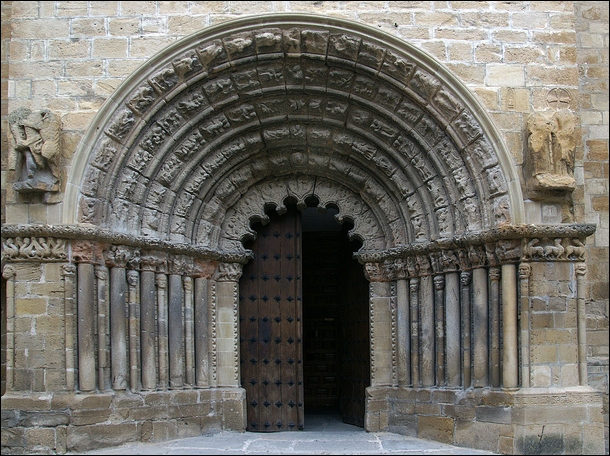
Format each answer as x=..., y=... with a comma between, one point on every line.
x=186, y=156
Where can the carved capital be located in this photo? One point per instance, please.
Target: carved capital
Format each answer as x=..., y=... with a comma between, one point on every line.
x=68, y=270
x=132, y=278
x=229, y=272
x=119, y=256
x=494, y=273
x=465, y=278
x=87, y=252
x=9, y=271
x=581, y=269
x=525, y=270
x=439, y=282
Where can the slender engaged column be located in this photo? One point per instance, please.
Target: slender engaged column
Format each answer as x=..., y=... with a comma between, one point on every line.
x=86, y=329
x=118, y=327
x=494, y=325
x=414, y=304
x=133, y=279
x=439, y=328
x=201, y=333
x=162, y=330
x=465, y=278
x=524, y=274
x=581, y=270
x=452, y=308
x=103, y=312
x=69, y=276
x=176, y=332
x=510, y=367
x=426, y=293
x=480, y=322
x=9, y=273
x=404, y=342
x=147, y=328
x=188, y=332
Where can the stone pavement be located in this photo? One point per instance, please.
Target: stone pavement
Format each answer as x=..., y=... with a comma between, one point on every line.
x=324, y=435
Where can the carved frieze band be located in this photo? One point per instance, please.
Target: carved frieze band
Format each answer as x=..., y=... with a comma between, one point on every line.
x=552, y=243
x=50, y=243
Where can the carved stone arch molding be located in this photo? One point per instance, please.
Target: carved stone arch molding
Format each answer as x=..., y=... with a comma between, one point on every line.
x=194, y=144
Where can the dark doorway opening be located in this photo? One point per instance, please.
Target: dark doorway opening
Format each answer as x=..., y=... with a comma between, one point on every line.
x=307, y=356
x=336, y=365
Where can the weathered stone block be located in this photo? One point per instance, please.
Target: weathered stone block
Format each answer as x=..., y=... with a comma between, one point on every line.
x=435, y=428
x=84, y=438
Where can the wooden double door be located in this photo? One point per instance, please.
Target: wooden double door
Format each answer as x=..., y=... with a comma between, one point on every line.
x=303, y=315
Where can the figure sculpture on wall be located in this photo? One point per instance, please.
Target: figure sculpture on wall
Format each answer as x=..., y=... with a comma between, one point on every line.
x=35, y=150
x=551, y=144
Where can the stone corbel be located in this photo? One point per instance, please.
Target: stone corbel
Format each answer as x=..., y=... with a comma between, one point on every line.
x=35, y=152
x=549, y=162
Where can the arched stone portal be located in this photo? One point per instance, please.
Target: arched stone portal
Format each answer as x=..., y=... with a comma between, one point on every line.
x=199, y=142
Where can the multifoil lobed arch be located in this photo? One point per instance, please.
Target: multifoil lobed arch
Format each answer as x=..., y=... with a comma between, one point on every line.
x=186, y=146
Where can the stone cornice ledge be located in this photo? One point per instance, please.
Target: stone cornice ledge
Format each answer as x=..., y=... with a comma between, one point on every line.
x=504, y=233
x=94, y=233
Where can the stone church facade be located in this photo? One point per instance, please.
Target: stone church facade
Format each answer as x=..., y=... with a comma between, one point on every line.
x=169, y=173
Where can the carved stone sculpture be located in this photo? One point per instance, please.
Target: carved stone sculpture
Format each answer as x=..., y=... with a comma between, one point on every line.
x=35, y=150
x=550, y=159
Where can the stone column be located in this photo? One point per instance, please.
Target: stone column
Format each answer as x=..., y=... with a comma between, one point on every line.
x=439, y=328
x=189, y=356
x=452, y=309
x=176, y=329
x=426, y=313
x=480, y=322
x=581, y=271
x=414, y=304
x=510, y=358
x=86, y=254
x=465, y=278
x=161, y=280
x=494, y=325
x=117, y=258
x=148, y=302
x=133, y=279
x=9, y=272
x=103, y=312
x=404, y=342
x=201, y=333
x=524, y=274
x=227, y=329
x=69, y=276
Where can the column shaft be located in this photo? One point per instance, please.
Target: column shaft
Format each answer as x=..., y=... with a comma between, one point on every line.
x=86, y=329
x=452, y=309
x=480, y=325
x=148, y=330
x=176, y=332
x=426, y=309
x=118, y=328
x=414, y=304
x=201, y=333
x=510, y=367
x=404, y=342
